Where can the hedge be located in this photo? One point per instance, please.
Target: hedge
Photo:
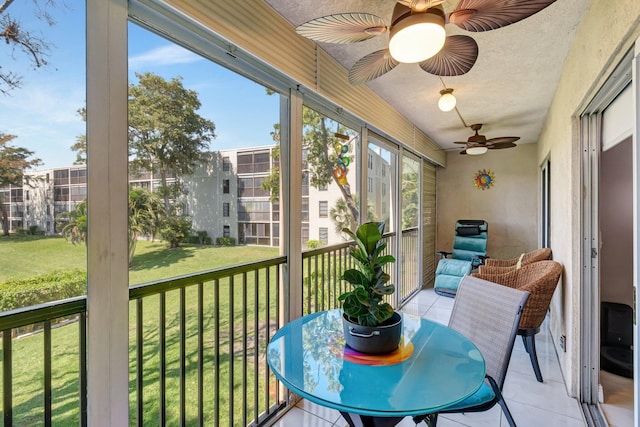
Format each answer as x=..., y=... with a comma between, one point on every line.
x=17, y=293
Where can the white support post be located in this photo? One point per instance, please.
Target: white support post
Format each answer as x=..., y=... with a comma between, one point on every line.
x=291, y=202
x=107, y=290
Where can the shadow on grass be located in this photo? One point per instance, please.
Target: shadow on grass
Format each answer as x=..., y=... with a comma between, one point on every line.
x=161, y=257
x=25, y=238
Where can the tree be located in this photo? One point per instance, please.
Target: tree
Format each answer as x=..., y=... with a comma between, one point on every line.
x=73, y=225
x=80, y=146
x=14, y=161
x=20, y=39
x=410, y=196
x=166, y=135
x=319, y=139
x=342, y=218
x=146, y=213
x=175, y=229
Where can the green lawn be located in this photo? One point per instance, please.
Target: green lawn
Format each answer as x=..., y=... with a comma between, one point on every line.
x=25, y=256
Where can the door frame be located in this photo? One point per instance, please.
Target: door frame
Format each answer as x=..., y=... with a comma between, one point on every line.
x=590, y=127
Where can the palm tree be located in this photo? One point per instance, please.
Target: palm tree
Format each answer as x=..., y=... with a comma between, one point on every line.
x=73, y=224
x=146, y=212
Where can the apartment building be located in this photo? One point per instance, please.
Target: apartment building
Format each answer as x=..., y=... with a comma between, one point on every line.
x=224, y=197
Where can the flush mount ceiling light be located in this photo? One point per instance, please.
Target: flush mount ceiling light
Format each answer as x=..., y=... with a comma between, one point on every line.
x=447, y=101
x=475, y=151
x=418, y=36
x=423, y=22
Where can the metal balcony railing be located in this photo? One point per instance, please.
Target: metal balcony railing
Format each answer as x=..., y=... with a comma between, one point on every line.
x=196, y=344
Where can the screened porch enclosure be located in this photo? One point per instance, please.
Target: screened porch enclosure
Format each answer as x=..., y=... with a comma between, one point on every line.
x=189, y=348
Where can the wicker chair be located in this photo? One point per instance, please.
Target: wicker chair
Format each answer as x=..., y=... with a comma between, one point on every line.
x=499, y=266
x=540, y=280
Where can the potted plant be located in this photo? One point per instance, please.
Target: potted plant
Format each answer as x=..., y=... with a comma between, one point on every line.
x=370, y=324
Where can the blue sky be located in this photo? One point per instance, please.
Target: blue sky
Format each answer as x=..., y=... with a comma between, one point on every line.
x=43, y=112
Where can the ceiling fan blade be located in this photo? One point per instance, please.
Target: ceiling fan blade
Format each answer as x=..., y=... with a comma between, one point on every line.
x=501, y=145
x=343, y=28
x=487, y=15
x=371, y=67
x=456, y=58
x=503, y=140
x=460, y=142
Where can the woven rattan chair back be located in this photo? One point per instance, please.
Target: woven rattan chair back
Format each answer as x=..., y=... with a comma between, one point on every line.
x=539, y=279
x=497, y=266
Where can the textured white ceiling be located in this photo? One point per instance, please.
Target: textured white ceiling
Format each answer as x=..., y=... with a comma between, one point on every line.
x=509, y=89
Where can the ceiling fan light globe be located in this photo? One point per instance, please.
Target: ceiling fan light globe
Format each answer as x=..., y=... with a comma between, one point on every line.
x=417, y=37
x=447, y=102
x=476, y=151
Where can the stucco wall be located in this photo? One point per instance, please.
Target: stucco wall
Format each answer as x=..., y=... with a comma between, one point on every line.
x=509, y=206
x=607, y=31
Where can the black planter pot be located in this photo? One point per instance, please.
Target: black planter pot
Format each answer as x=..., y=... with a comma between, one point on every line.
x=380, y=339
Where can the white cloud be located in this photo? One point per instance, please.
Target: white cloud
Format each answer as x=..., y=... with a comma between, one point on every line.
x=164, y=55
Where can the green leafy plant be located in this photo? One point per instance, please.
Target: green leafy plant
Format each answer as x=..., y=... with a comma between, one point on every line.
x=365, y=304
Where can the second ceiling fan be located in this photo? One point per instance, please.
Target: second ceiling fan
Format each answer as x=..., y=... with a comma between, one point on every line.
x=479, y=144
x=417, y=34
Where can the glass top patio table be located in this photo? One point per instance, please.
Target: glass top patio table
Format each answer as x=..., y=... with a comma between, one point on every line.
x=433, y=368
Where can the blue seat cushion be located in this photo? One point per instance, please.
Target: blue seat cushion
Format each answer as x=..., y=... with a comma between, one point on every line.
x=480, y=397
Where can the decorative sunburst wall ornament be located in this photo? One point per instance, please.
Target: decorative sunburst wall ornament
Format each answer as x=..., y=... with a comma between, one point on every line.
x=484, y=179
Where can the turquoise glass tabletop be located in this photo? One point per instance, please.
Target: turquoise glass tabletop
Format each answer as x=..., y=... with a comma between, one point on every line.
x=434, y=367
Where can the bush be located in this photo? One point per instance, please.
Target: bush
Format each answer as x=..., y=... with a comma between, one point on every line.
x=175, y=230
x=312, y=244
x=225, y=241
x=35, y=231
x=17, y=293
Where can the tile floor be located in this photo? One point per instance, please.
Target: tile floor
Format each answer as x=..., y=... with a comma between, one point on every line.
x=618, y=399
x=531, y=403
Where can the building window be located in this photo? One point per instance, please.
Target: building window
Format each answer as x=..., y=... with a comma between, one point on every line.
x=254, y=162
x=225, y=186
x=323, y=188
x=370, y=184
x=48, y=209
x=384, y=171
x=226, y=231
x=252, y=187
x=225, y=209
x=323, y=209
x=253, y=210
x=226, y=164
x=305, y=210
x=323, y=235
x=370, y=161
x=384, y=188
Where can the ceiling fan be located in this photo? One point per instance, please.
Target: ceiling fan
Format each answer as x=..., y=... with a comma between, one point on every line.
x=417, y=34
x=479, y=144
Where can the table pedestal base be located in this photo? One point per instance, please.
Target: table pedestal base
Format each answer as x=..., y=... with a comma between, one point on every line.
x=356, y=420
